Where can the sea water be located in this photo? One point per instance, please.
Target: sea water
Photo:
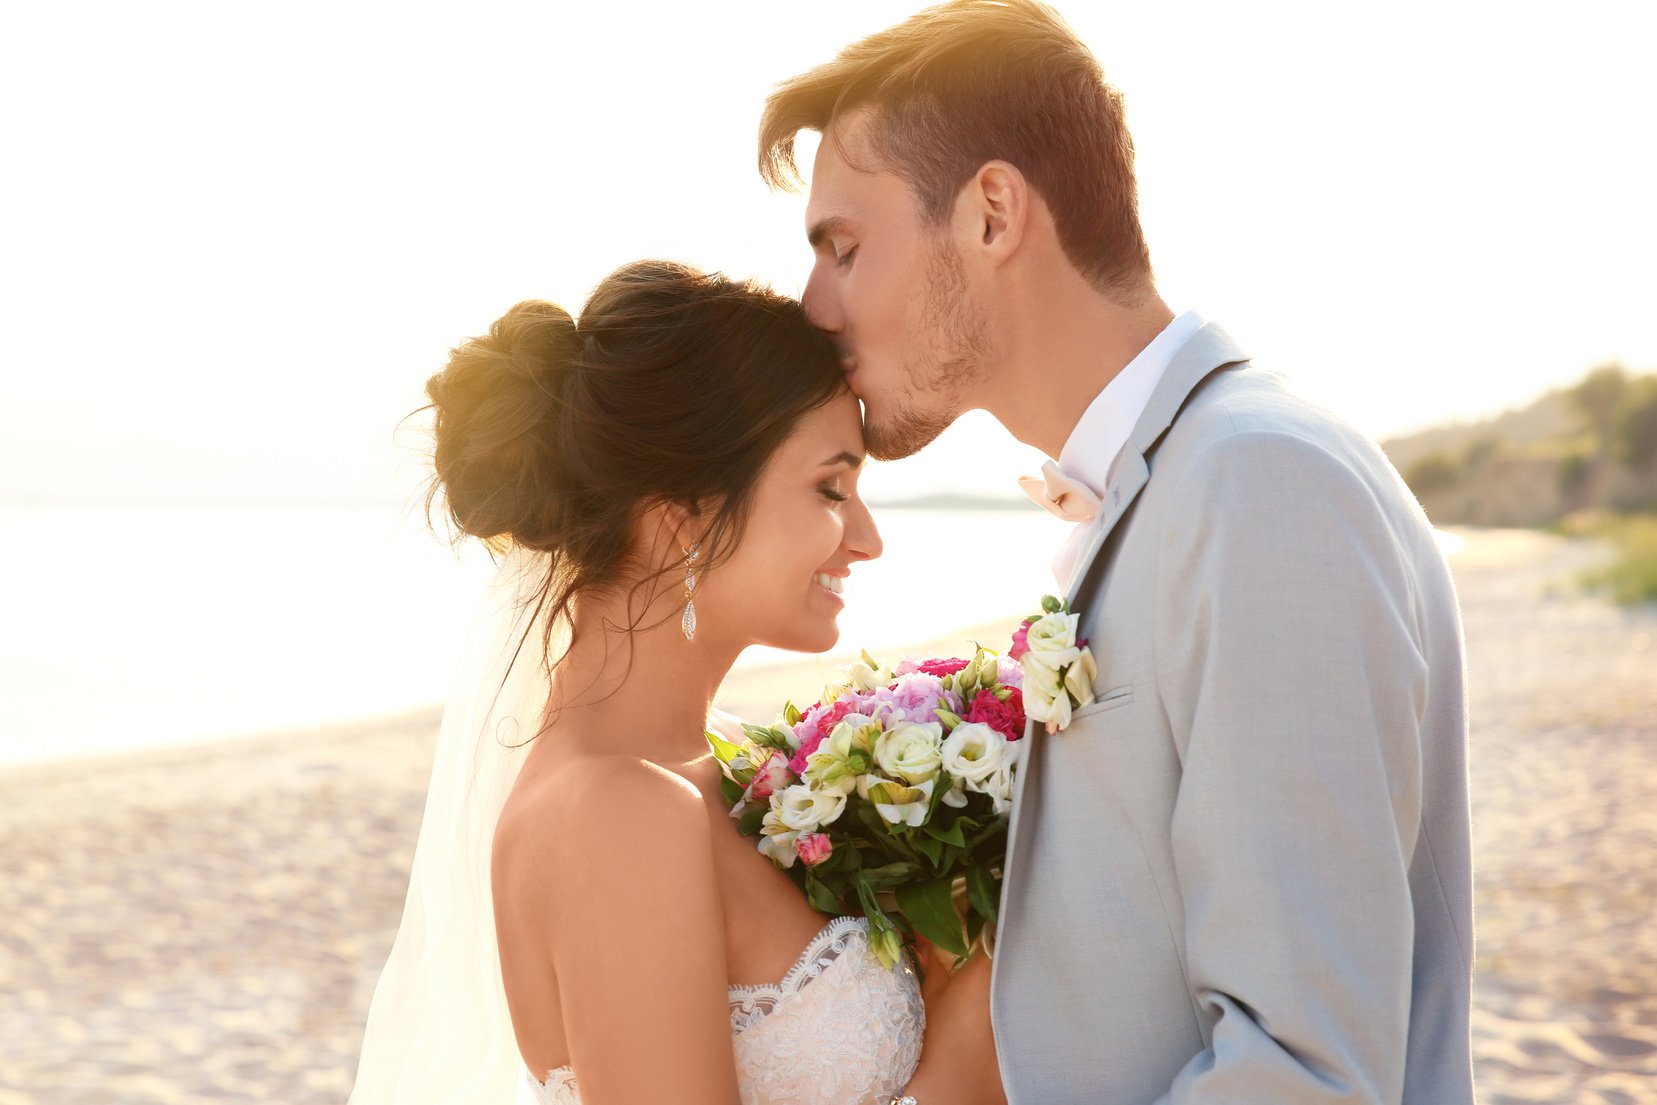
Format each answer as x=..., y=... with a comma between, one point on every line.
x=133, y=626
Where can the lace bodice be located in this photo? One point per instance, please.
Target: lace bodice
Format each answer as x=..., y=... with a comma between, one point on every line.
x=839, y=1029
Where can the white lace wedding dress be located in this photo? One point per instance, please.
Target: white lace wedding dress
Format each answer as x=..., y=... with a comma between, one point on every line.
x=839, y=1029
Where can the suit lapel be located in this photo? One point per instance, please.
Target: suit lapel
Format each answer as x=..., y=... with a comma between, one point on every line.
x=1208, y=350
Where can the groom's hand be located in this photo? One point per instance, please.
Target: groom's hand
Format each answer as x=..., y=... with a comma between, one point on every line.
x=958, y=1064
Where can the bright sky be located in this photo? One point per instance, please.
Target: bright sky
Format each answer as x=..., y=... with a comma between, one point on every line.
x=234, y=241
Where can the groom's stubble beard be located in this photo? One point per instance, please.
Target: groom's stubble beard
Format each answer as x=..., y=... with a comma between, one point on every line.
x=939, y=375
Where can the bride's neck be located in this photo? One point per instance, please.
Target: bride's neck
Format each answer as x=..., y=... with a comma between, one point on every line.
x=632, y=681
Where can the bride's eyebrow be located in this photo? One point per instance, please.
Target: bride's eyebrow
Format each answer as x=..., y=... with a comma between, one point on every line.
x=851, y=460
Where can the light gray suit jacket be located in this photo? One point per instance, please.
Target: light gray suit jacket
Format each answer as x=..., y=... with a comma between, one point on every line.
x=1242, y=875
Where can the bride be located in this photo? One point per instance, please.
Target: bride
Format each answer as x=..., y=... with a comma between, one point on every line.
x=667, y=482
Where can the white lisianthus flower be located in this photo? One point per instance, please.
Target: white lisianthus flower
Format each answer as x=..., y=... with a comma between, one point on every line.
x=910, y=751
x=805, y=810
x=1000, y=791
x=1052, y=642
x=846, y=754
x=973, y=754
x=999, y=786
x=1045, y=698
x=1079, y=677
x=898, y=804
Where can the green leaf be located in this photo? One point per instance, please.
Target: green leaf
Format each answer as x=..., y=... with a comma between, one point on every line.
x=820, y=897
x=765, y=735
x=983, y=891
x=930, y=907
x=929, y=848
x=889, y=874
x=749, y=823
x=730, y=789
x=996, y=827
x=871, y=818
x=951, y=835
x=723, y=749
x=937, y=799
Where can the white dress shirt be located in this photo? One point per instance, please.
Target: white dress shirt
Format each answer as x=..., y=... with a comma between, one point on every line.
x=1104, y=428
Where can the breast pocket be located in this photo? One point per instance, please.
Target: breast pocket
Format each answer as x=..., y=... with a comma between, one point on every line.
x=1114, y=699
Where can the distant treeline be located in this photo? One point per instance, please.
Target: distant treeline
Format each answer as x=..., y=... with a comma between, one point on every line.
x=1588, y=447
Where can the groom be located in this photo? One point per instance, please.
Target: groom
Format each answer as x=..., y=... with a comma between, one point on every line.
x=1242, y=874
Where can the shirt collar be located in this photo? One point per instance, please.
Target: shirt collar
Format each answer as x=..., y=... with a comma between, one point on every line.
x=1108, y=421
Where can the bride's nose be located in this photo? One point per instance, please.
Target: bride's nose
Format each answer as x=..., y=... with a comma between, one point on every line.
x=862, y=539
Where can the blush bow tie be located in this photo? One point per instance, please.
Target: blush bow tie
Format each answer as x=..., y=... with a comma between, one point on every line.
x=1063, y=496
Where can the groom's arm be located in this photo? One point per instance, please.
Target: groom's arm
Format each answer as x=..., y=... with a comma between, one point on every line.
x=1288, y=659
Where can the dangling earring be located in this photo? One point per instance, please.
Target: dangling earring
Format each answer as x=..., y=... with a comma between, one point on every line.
x=687, y=624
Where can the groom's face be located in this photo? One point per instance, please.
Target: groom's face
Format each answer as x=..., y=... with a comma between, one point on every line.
x=891, y=287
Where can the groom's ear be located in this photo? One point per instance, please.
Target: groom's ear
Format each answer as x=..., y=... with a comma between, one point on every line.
x=997, y=199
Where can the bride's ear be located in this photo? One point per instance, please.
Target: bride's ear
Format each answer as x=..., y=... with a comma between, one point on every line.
x=680, y=524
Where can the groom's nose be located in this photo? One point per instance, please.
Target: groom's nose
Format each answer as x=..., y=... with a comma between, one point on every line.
x=821, y=305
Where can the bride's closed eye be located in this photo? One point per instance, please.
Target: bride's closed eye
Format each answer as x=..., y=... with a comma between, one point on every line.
x=833, y=493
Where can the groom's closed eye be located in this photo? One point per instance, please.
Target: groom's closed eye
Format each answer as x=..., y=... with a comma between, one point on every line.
x=825, y=230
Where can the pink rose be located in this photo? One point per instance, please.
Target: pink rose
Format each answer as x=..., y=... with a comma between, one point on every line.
x=941, y=668
x=1006, y=718
x=813, y=848
x=1021, y=641
x=773, y=775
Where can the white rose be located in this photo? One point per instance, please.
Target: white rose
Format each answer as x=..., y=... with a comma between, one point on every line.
x=805, y=810
x=910, y=751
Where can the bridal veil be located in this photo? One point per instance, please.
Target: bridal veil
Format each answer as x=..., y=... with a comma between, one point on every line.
x=438, y=1028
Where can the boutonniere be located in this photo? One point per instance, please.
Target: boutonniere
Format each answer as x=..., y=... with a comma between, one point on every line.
x=1058, y=669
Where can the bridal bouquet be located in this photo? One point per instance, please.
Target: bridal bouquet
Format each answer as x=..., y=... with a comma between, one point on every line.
x=889, y=797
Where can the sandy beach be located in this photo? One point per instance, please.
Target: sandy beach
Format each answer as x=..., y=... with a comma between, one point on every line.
x=207, y=924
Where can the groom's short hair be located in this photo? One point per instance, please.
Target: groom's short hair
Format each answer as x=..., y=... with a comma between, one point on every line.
x=972, y=81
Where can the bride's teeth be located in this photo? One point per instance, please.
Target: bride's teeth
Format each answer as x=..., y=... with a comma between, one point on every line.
x=833, y=583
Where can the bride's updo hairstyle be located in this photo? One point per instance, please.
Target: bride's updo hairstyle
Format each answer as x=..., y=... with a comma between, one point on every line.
x=675, y=386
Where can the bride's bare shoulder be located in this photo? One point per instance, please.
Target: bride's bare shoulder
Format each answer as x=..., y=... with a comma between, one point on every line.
x=600, y=818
